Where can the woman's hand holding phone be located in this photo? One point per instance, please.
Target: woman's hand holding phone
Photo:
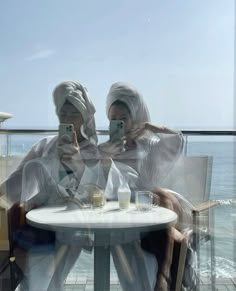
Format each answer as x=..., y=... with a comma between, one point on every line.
x=69, y=152
x=116, y=130
x=116, y=143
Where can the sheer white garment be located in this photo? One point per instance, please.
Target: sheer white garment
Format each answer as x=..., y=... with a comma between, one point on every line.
x=155, y=154
x=40, y=179
x=135, y=267
x=37, y=181
x=12, y=186
x=47, y=271
x=45, y=182
x=152, y=157
x=45, y=151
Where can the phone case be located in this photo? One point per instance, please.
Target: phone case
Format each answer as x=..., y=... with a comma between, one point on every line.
x=116, y=130
x=66, y=133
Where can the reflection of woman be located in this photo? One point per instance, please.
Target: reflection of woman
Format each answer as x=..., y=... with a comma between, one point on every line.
x=73, y=105
x=63, y=163
x=150, y=150
x=50, y=165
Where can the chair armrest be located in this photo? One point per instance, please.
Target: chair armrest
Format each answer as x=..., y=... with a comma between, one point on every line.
x=204, y=206
x=181, y=264
x=4, y=237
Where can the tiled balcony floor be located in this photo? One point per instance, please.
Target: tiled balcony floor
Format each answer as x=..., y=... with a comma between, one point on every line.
x=87, y=285
x=81, y=279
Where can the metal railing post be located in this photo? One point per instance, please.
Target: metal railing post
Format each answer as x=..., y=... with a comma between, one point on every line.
x=186, y=146
x=8, y=145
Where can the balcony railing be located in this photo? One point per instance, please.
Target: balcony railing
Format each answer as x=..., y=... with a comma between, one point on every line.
x=102, y=133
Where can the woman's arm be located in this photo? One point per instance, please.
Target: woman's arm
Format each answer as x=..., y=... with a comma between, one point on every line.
x=171, y=236
x=168, y=200
x=148, y=126
x=158, y=129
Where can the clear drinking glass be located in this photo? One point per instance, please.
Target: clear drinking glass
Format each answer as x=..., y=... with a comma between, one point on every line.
x=143, y=200
x=96, y=195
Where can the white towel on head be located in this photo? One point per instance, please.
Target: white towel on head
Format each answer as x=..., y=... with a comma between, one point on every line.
x=76, y=94
x=128, y=94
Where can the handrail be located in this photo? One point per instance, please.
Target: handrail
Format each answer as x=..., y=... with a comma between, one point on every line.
x=194, y=132
x=35, y=131
x=218, y=132
x=209, y=132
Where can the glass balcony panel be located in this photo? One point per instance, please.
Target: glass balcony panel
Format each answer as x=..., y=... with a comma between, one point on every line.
x=14, y=146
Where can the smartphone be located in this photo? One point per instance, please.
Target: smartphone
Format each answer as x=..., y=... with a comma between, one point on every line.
x=66, y=133
x=116, y=130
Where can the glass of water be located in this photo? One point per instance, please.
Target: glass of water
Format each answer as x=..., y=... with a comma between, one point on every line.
x=143, y=200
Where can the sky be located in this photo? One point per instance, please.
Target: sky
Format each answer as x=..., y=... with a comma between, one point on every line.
x=178, y=53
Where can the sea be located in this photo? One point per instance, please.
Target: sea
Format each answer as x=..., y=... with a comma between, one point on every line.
x=223, y=190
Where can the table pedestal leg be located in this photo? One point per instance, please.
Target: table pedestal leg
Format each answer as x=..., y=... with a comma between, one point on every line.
x=101, y=263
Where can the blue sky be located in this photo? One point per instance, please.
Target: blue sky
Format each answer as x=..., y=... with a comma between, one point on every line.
x=178, y=53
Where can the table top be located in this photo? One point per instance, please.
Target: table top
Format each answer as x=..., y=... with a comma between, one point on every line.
x=108, y=217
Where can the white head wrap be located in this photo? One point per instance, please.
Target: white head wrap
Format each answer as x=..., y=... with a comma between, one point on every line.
x=76, y=94
x=130, y=96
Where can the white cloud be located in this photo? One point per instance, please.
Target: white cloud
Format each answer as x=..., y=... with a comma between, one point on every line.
x=41, y=54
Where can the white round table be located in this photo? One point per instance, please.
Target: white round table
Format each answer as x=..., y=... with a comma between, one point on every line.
x=102, y=222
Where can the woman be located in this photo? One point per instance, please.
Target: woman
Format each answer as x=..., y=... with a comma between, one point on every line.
x=49, y=174
x=152, y=151
x=64, y=162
